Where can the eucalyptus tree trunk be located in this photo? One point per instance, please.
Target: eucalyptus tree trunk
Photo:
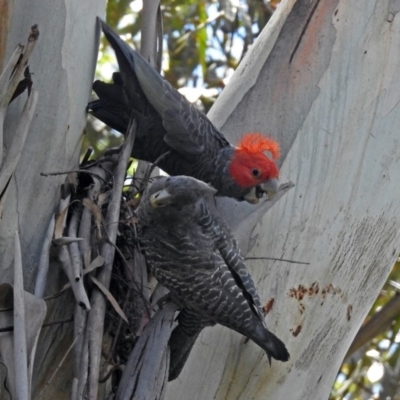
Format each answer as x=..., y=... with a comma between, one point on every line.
x=63, y=66
x=323, y=79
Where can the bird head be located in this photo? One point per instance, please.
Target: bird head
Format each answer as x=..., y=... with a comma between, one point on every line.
x=251, y=168
x=170, y=197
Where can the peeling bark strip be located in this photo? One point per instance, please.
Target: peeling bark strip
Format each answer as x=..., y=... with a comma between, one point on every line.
x=10, y=83
x=146, y=372
x=24, y=318
x=12, y=75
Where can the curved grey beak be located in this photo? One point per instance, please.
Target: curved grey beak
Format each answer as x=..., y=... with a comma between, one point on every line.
x=270, y=187
x=251, y=197
x=160, y=199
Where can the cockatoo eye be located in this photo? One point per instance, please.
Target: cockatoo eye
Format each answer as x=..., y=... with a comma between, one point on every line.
x=256, y=173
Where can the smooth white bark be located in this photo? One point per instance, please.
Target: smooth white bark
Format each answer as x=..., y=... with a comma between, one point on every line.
x=62, y=66
x=324, y=81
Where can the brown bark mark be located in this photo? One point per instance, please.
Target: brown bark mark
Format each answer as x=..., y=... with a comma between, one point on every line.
x=349, y=312
x=268, y=306
x=295, y=331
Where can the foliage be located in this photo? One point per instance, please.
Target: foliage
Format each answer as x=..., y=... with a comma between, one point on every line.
x=371, y=369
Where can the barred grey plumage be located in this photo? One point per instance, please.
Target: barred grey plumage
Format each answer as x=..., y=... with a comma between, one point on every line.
x=168, y=122
x=192, y=252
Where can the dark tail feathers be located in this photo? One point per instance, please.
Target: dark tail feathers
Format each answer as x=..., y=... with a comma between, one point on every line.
x=273, y=346
x=180, y=346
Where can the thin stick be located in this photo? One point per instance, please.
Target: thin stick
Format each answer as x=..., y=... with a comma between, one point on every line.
x=77, y=286
x=61, y=321
x=151, y=169
x=43, y=269
x=277, y=259
x=78, y=171
x=74, y=247
x=87, y=155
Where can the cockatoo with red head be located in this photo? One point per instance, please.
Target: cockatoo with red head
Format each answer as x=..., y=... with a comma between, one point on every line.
x=169, y=123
